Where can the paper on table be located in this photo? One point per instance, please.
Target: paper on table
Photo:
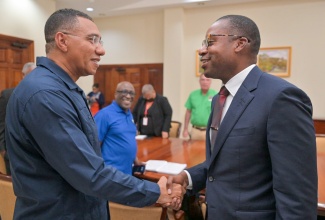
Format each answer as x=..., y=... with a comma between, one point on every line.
x=162, y=166
x=140, y=137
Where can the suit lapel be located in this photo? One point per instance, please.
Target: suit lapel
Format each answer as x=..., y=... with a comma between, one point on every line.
x=238, y=105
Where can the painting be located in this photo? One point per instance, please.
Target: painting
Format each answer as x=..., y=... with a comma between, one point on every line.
x=275, y=60
x=198, y=69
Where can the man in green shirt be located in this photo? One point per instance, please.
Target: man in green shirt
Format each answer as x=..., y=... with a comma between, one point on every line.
x=198, y=109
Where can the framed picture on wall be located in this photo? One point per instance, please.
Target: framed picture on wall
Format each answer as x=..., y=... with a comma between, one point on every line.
x=198, y=69
x=275, y=60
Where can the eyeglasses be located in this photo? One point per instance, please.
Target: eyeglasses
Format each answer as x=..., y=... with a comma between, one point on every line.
x=126, y=92
x=208, y=42
x=94, y=39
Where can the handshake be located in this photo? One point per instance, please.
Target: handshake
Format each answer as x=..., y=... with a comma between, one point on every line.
x=172, y=190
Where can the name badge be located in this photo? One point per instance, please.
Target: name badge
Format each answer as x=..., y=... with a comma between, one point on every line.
x=145, y=121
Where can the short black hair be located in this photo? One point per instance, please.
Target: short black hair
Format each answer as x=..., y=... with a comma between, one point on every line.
x=63, y=19
x=244, y=26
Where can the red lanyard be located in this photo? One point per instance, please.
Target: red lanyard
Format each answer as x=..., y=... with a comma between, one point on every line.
x=148, y=105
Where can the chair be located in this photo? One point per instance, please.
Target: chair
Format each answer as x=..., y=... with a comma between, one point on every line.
x=175, y=129
x=204, y=209
x=122, y=212
x=320, y=143
x=2, y=165
x=7, y=198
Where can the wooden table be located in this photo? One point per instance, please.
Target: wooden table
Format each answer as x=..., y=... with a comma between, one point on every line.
x=172, y=150
x=193, y=152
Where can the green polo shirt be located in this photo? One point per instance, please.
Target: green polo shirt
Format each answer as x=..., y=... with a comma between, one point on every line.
x=200, y=106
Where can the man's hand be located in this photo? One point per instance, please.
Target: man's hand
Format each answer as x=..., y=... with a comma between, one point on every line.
x=185, y=133
x=138, y=162
x=172, y=199
x=164, y=134
x=181, y=179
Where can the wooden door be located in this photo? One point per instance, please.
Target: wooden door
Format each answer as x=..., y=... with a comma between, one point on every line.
x=14, y=53
x=130, y=74
x=108, y=76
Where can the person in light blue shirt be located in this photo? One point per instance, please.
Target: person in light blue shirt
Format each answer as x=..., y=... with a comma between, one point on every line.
x=117, y=130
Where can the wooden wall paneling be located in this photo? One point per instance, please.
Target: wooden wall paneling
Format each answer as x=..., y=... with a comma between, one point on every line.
x=3, y=77
x=108, y=86
x=155, y=77
x=115, y=78
x=14, y=53
x=319, y=126
x=137, y=74
x=134, y=76
x=100, y=79
x=16, y=76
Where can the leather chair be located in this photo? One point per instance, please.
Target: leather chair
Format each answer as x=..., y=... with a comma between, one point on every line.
x=175, y=129
x=320, y=143
x=7, y=198
x=2, y=165
x=122, y=212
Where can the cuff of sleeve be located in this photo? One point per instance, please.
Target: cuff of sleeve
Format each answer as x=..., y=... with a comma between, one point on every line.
x=190, y=183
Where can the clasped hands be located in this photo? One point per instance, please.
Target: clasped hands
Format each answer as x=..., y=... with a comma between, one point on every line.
x=172, y=191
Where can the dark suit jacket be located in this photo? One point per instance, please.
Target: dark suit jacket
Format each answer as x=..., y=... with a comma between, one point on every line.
x=4, y=98
x=264, y=161
x=160, y=111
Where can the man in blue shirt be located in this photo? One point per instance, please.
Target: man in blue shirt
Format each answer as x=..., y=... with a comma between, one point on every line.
x=117, y=130
x=56, y=163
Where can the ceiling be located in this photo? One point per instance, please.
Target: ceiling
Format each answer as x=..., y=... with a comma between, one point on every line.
x=106, y=8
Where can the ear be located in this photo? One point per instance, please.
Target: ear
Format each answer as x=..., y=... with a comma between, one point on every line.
x=240, y=44
x=61, y=41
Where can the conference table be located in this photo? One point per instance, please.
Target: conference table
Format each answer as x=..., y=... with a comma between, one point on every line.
x=192, y=152
x=172, y=150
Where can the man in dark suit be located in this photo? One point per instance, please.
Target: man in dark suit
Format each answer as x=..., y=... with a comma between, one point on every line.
x=152, y=113
x=4, y=98
x=262, y=164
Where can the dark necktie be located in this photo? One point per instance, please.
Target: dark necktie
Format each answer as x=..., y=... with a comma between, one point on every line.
x=217, y=113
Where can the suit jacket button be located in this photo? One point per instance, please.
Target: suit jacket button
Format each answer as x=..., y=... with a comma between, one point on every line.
x=211, y=179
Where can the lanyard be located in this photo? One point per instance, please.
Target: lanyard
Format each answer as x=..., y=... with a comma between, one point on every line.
x=148, y=105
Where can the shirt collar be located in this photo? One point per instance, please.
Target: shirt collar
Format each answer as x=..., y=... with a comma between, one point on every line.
x=119, y=109
x=57, y=70
x=235, y=82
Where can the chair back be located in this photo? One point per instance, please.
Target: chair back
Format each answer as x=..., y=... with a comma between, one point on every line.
x=7, y=198
x=122, y=212
x=175, y=129
x=2, y=165
x=204, y=209
x=320, y=143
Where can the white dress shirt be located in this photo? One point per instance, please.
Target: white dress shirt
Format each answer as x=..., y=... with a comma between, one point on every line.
x=232, y=86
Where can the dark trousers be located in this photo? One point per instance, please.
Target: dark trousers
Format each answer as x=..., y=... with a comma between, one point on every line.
x=6, y=159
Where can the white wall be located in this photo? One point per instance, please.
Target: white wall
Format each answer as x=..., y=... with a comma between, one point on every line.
x=298, y=24
x=172, y=37
x=282, y=23
x=26, y=19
